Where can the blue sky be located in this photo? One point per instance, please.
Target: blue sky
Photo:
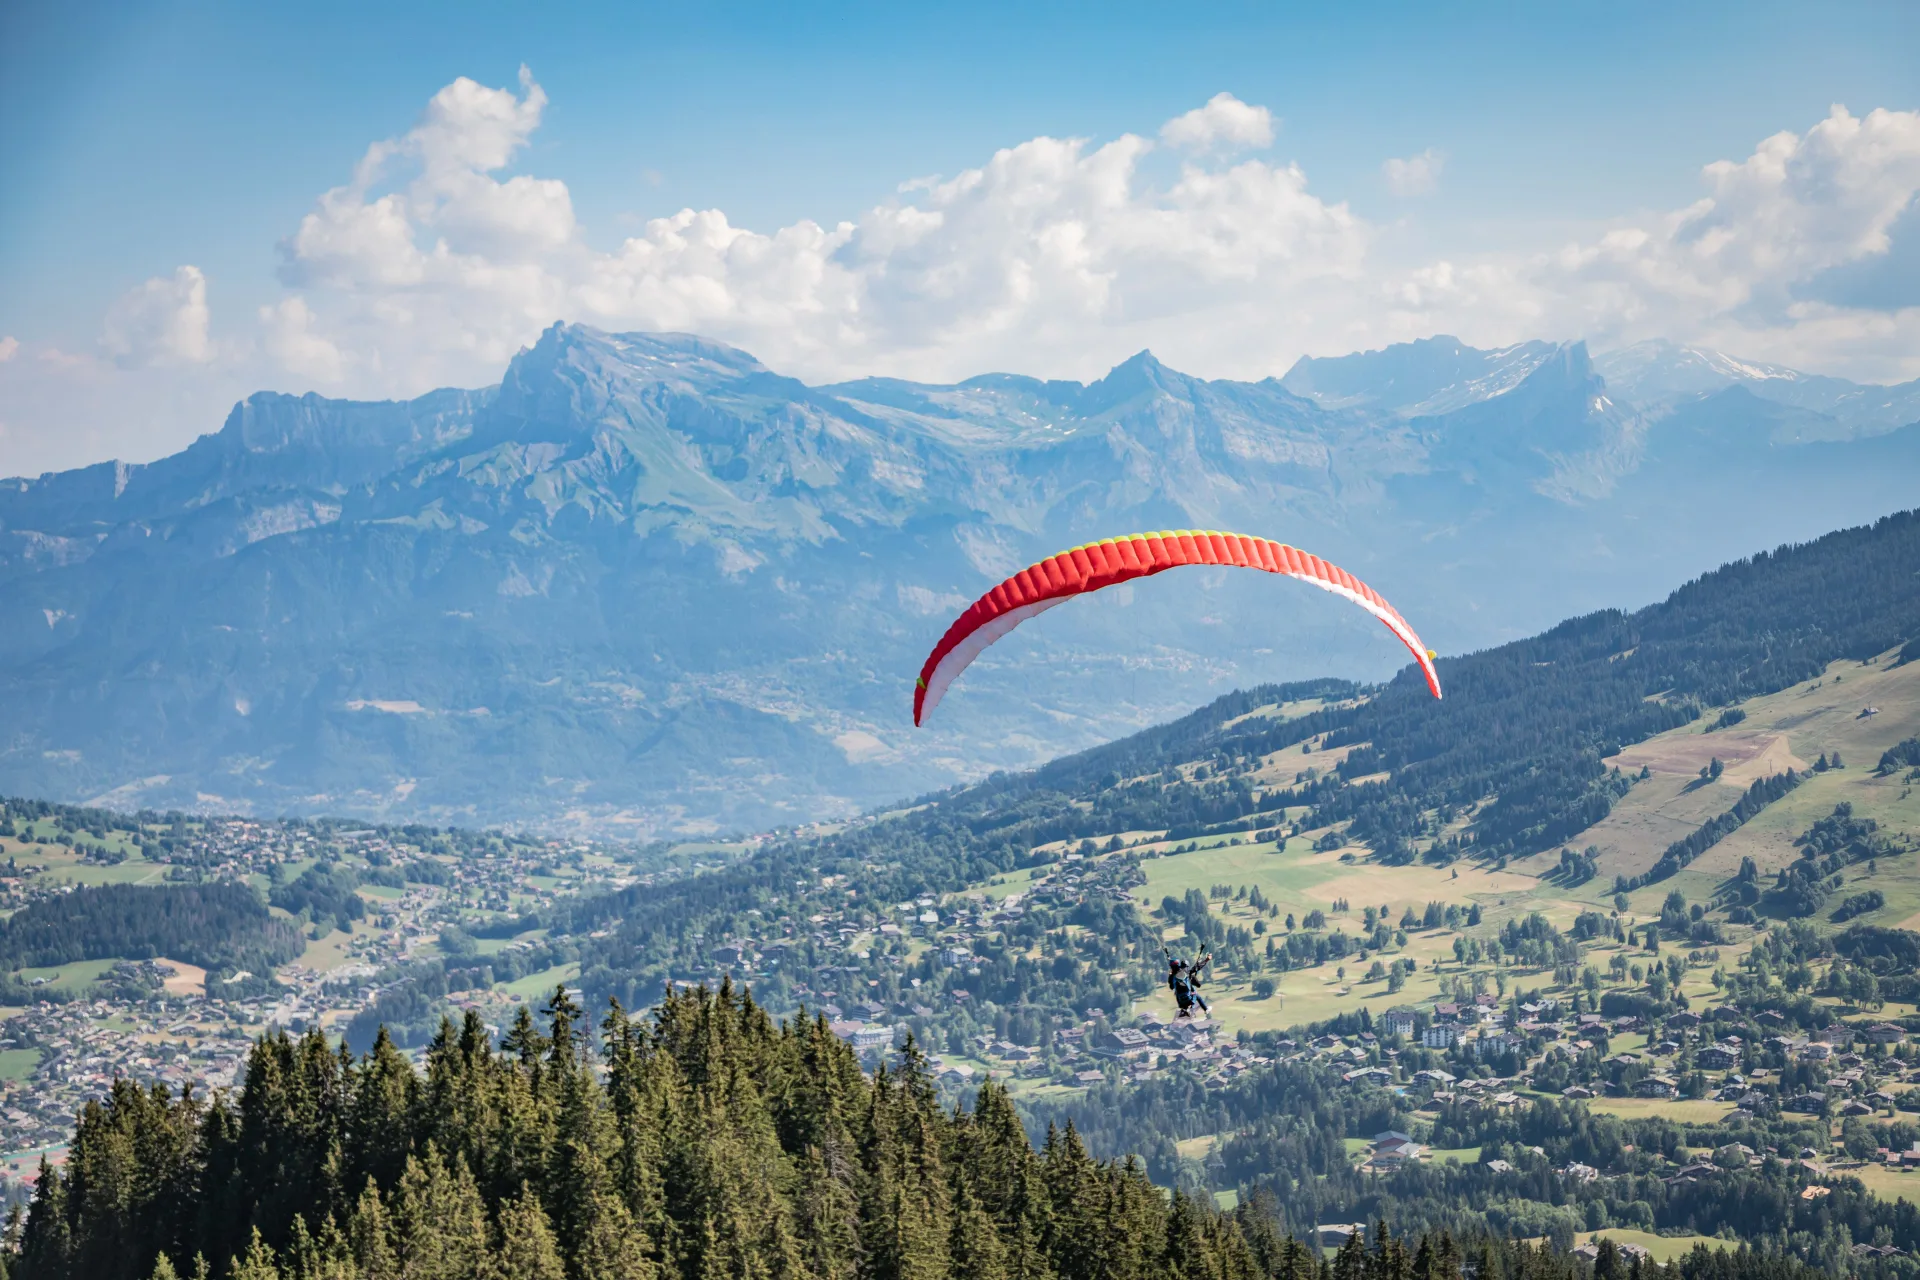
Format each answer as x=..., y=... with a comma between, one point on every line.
x=147, y=138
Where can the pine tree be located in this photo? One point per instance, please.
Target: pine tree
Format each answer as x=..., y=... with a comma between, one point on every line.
x=1351, y=1262
x=527, y=1250
x=46, y=1243
x=974, y=1246
x=438, y=1224
x=370, y=1237
x=258, y=1264
x=384, y=1096
x=828, y=1213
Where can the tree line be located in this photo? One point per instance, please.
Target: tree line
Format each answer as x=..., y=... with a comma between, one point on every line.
x=704, y=1141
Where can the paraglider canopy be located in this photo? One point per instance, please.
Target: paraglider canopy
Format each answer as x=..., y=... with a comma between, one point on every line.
x=1097, y=565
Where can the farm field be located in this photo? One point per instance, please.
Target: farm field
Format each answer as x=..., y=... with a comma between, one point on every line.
x=1663, y=1248
x=536, y=985
x=1788, y=729
x=70, y=978
x=1462, y=1155
x=325, y=954
x=1888, y=1184
x=493, y=946
x=1198, y=1148
x=1299, y=880
x=1680, y=1110
x=64, y=866
x=187, y=979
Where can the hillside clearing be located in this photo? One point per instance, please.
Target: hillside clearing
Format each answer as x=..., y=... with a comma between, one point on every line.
x=1788, y=729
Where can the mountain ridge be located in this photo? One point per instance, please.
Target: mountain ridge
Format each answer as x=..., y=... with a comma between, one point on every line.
x=647, y=583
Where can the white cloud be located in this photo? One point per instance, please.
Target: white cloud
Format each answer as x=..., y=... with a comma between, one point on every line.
x=163, y=321
x=9, y=348
x=1059, y=256
x=442, y=276
x=434, y=262
x=1796, y=207
x=286, y=330
x=1415, y=175
x=1725, y=271
x=1225, y=123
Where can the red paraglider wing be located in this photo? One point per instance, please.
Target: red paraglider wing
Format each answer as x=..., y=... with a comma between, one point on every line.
x=1058, y=579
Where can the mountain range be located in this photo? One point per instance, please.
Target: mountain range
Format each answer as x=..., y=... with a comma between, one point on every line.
x=647, y=584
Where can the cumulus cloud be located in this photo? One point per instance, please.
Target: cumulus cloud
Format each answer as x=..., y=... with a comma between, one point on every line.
x=1058, y=256
x=435, y=260
x=1225, y=123
x=1730, y=269
x=1415, y=175
x=287, y=331
x=1798, y=206
x=163, y=321
x=9, y=348
x=429, y=266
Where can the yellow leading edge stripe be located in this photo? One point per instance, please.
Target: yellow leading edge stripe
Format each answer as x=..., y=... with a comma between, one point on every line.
x=1163, y=535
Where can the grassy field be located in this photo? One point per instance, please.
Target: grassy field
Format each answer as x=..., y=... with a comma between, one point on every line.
x=1791, y=728
x=538, y=985
x=1681, y=1111
x=72, y=978
x=323, y=955
x=1011, y=883
x=1888, y=1184
x=1663, y=1248
x=65, y=867
x=1465, y=1155
x=18, y=1064
x=494, y=946
x=187, y=979
x=1298, y=880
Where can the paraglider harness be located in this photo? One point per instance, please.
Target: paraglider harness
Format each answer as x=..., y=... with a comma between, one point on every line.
x=1183, y=980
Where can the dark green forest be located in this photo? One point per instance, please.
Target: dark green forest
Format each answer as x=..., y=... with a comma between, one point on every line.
x=211, y=925
x=703, y=1141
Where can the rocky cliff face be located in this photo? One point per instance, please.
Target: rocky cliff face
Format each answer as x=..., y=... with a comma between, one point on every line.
x=648, y=583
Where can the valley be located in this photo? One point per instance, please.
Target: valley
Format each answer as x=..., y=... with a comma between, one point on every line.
x=1626, y=900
